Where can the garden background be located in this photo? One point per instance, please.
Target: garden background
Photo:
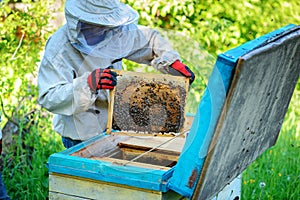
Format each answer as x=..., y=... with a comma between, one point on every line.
x=199, y=30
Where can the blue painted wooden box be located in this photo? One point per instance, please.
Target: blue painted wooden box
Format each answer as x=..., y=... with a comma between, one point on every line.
x=229, y=131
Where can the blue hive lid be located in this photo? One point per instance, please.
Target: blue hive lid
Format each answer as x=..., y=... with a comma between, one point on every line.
x=203, y=156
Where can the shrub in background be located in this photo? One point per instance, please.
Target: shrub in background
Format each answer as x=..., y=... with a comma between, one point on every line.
x=23, y=33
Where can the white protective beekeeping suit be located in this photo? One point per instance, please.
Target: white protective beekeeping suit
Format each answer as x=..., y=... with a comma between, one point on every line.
x=70, y=56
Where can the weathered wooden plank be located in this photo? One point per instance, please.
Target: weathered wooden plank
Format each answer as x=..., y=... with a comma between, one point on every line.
x=254, y=110
x=101, y=147
x=174, y=145
x=59, y=196
x=155, y=157
x=137, y=164
x=110, y=111
x=80, y=188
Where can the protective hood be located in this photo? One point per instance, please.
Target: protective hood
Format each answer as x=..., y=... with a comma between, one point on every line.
x=103, y=41
x=111, y=13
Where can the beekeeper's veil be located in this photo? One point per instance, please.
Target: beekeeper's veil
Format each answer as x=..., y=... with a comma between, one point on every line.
x=95, y=25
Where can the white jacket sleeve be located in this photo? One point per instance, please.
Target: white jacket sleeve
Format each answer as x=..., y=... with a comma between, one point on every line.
x=60, y=91
x=153, y=50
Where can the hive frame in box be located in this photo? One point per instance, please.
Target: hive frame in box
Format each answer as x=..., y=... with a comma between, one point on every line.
x=148, y=104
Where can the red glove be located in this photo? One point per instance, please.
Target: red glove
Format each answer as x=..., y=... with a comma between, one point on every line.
x=102, y=79
x=183, y=70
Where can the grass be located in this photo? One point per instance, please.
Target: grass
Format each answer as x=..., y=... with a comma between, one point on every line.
x=25, y=173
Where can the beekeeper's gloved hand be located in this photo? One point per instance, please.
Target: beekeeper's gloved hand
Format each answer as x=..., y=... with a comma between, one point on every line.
x=183, y=70
x=102, y=79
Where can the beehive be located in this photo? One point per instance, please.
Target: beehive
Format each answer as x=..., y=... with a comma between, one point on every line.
x=144, y=103
x=233, y=125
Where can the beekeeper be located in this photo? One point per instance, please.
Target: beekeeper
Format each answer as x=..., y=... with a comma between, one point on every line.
x=74, y=76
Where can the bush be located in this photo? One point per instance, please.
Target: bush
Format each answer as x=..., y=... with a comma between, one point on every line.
x=23, y=33
x=218, y=25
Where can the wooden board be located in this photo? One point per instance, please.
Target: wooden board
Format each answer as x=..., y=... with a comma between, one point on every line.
x=60, y=196
x=102, y=147
x=253, y=113
x=72, y=187
x=172, y=145
x=138, y=164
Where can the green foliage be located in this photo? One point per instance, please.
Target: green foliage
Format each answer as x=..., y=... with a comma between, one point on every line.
x=23, y=33
x=218, y=25
x=21, y=41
